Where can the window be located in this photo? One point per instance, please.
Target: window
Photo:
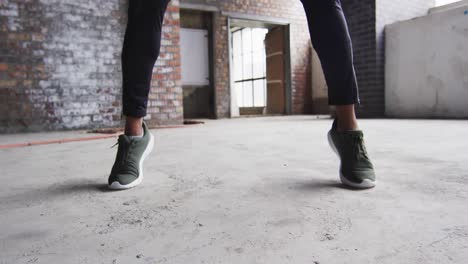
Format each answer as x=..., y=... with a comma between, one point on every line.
x=194, y=51
x=249, y=61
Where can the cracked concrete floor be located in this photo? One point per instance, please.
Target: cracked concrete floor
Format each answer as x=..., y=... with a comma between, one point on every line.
x=257, y=190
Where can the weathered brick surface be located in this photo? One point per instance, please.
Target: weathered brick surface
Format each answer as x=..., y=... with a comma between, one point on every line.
x=60, y=65
x=361, y=18
x=165, y=105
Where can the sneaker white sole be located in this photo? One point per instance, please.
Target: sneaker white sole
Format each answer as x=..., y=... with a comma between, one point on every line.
x=117, y=186
x=365, y=184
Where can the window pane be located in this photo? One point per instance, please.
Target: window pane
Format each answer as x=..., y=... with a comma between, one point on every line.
x=258, y=65
x=237, y=61
x=237, y=55
x=236, y=43
x=249, y=61
x=246, y=40
x=258, y=38
x=259, y=93
x=248, y=96
x=247, y=66
x=240, y=94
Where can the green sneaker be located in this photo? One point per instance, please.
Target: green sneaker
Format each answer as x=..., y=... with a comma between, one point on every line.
x=127, y=171
x=356, y=169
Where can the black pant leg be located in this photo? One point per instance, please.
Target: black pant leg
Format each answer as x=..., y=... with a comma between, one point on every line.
x=140, y=51
x=330, y=38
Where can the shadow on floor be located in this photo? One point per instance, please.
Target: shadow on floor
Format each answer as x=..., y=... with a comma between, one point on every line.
x=311, y=186
x=63, y=190
x=77, y=187
x=316, y=185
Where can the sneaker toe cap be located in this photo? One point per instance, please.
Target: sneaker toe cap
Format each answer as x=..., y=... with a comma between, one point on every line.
x=122, y=179
x=359, y=179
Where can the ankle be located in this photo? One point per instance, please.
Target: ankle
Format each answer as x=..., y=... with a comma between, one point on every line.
x=346, y=118
x=133, y=126
x=134, y=132
x=347, y=125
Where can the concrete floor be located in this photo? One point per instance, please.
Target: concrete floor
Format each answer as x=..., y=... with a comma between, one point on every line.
x=258, y=190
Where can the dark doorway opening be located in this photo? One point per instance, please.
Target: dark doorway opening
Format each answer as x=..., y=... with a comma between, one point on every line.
x=196, y=56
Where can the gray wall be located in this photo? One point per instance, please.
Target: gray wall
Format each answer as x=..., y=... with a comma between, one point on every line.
x=427, y=66
x=388, y=12
x=367, y=20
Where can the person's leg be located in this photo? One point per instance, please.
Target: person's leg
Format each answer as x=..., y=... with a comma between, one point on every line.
x=140, y=52
x=330, y=38
x=346, y=117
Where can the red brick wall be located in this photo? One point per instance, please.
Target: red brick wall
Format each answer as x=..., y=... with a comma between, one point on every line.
x=221, y=54
x=60, y=66
x=165, y=105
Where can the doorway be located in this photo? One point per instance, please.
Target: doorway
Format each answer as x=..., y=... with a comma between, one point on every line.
x=259, y=57
x=196, y=69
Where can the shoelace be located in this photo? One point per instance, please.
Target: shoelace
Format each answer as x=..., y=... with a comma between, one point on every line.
x=358, y=147
x=124, y=165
